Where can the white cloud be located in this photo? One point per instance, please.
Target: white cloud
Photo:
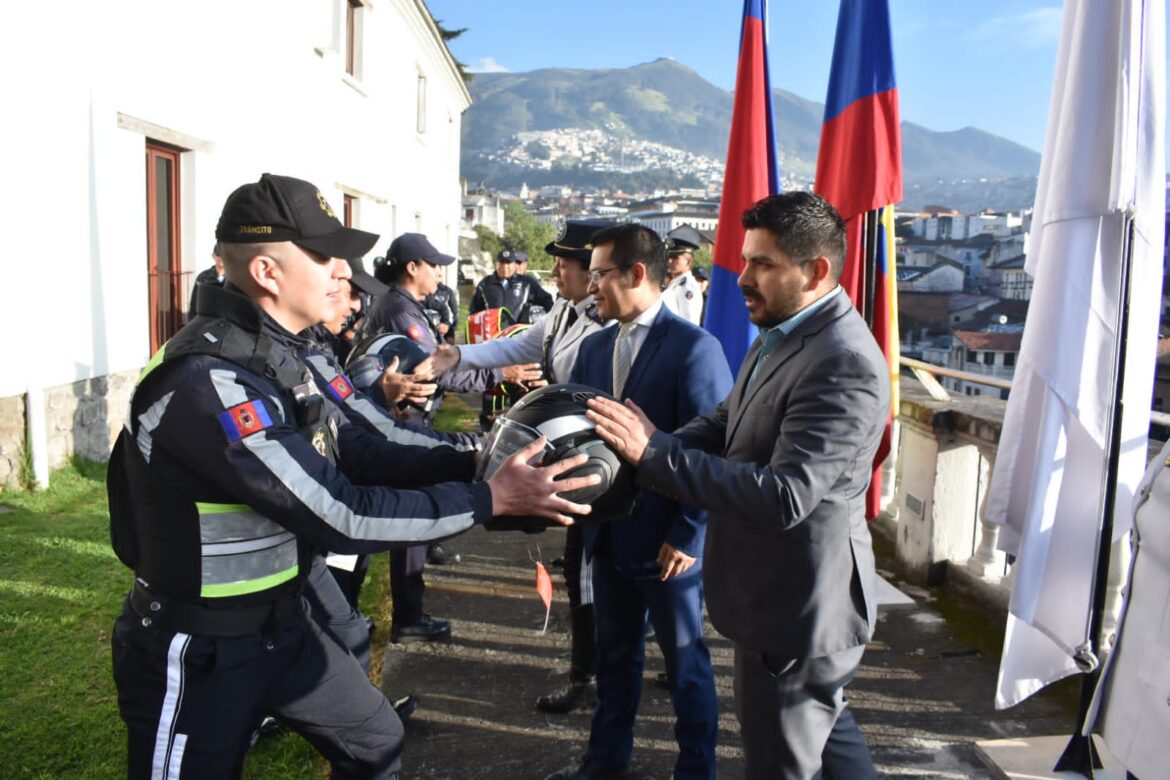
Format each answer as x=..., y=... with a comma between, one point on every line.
x=1039, y=27
x=487, y=65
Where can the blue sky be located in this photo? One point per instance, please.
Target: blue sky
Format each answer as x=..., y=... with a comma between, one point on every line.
x=958, y=63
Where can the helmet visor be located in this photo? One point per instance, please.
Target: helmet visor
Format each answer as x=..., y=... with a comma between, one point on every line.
x=505, y=440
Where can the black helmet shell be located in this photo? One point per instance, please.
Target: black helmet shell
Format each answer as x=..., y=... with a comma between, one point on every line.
x=372, y=355
x=557, y=412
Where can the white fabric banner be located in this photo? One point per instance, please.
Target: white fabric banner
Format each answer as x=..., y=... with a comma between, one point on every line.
x=1103, y=160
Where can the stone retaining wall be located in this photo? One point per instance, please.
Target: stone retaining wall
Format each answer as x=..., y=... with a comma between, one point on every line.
x=82, y=418
x=11, y=439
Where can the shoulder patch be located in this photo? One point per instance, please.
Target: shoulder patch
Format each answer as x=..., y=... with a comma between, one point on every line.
x=244, y=420
x=414, y=332
x=340, y=388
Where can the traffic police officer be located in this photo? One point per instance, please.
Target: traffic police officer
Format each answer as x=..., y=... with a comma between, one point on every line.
x=553, y=342
x=233, y=466
x=212, y=276
x=542, y=302
x=445, y=301
x=516, y=292
x=681, y=293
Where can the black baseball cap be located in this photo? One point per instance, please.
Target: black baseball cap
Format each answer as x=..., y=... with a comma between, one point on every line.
x=574, y=240
x=409, y=247
x=362, y=280
x=281, y=208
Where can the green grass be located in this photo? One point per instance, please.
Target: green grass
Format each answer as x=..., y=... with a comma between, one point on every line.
x=61, y=586
x=60, y=589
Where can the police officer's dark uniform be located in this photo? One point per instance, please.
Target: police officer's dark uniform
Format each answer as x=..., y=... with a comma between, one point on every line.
x=210, y=276
x=398, y=311
x=233, y=466
x=332, y=592
x=368, y=290
x=518, y=293
x=445, y=302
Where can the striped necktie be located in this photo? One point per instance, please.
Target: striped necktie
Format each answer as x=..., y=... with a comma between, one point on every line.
x=621, y=357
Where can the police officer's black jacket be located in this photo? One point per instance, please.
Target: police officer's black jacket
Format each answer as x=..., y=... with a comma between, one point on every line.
x=445, y=300
x=235, y=463
x=400, y=312
x=364, y=413
x=518, y=295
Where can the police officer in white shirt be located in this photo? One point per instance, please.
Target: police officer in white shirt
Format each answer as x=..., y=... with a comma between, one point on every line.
x=681, y=293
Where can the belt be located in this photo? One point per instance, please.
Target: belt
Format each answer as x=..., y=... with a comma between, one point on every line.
x=186, y=618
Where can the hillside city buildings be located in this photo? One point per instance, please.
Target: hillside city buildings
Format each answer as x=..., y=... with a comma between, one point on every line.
x=960, y=276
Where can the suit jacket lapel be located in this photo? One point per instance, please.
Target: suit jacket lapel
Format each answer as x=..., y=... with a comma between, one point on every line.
x=785, y=350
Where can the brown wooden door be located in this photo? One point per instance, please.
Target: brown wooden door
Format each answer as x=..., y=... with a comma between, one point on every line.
x=164, y=261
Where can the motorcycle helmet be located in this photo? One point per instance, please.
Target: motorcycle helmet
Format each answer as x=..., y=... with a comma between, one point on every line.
x=557, y=412
x=369, y=359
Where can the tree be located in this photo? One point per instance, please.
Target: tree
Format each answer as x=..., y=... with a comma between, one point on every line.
x=488, y=240
x=701, y=258
x=522, y=232
x=450, y=35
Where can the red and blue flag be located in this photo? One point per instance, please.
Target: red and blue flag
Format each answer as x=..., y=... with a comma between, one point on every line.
x=751, y=174
x=859, y=170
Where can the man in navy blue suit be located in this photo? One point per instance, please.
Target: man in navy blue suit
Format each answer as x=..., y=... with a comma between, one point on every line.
x=649, y=562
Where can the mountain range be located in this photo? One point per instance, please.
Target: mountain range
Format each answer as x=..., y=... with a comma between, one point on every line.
x=667, y=103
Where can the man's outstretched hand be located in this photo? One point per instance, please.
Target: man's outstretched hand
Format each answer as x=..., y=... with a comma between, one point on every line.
x=521, y=489
x=625, y=428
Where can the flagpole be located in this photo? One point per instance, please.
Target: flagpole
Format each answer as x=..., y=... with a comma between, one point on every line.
x=869, y=264
x=1081, y=755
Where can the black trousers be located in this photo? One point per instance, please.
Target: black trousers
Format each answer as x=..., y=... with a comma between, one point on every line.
x=578, y=574
x=351, y=582
x=190, y=703
x=333, y=612
x=406, y=583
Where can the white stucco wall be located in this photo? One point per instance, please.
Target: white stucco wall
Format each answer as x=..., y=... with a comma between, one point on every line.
x=245, y=87
x=251, y=87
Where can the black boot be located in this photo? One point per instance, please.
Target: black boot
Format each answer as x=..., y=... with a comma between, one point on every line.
x=582, y=690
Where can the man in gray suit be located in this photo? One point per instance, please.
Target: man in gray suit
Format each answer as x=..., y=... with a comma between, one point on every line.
x=783, y=465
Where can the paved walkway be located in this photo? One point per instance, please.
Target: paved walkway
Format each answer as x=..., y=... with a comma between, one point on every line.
x=922, y=696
